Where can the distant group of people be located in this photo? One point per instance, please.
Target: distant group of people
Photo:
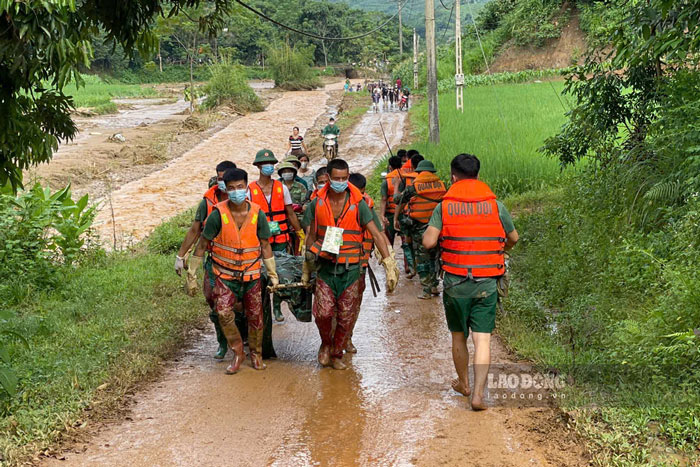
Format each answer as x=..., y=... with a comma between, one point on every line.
x=391, y=95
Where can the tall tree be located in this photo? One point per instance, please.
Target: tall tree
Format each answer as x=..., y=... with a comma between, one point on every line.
x=43, y=43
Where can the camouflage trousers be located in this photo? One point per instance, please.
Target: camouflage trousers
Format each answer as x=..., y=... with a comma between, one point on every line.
x=426, y=260
x=344, y=308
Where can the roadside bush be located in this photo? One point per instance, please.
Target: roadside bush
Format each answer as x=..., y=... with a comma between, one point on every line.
x=39, y=233
x=292, y=68
x=229, y=86
x=167, y=237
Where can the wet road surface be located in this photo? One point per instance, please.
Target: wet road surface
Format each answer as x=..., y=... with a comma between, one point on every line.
x=393, y=406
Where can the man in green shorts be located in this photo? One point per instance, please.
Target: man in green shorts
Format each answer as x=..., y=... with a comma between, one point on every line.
x=474, y=231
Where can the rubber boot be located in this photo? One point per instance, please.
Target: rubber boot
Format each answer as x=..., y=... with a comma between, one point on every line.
x=235, y=341
x=255, y=345
x=220, y=337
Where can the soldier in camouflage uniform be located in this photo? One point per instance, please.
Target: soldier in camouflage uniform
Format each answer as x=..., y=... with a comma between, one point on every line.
x=421, y=197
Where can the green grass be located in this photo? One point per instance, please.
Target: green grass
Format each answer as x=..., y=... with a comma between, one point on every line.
x=504, y=126
x=97, y=94
x=112, y=321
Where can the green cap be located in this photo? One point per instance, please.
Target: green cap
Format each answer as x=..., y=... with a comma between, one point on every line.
x=292, y=160
x=286, y=165
x=265, y=156
x=425, y=166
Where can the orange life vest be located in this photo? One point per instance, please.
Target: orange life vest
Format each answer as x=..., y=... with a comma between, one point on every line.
x=274, y=210
x=235, y=252
x=212, y=199
x=429, y=192
x=349, y=221
x=367, y=239
x=409, y=177
x=472, y=239
x=392, y=179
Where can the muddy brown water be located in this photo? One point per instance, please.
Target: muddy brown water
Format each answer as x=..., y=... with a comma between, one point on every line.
x=393, y=406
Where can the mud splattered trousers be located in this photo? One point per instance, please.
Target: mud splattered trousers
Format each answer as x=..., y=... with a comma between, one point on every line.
x=337, y=296
x=225, y=295
x=426, y=260
x=208, y=290
x=407, y=244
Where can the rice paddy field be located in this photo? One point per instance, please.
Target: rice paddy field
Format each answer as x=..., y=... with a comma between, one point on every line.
x=97, y=94
x=504, y=125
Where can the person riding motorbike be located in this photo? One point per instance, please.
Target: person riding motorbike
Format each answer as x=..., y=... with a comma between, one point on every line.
x=331, y=129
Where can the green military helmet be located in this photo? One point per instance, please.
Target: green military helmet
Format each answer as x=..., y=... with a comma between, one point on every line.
x=286, y=165
x=294, y=160
x=425, y=166
x=265, y=156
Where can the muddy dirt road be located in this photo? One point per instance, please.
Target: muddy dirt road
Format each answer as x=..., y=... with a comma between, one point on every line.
x=393, y=406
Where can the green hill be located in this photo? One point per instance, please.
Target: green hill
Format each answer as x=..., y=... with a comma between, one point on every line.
x=413, y=14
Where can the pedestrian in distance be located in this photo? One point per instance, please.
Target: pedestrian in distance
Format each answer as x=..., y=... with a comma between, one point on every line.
x=296, y=145
x=237, y=234
x=474, y=231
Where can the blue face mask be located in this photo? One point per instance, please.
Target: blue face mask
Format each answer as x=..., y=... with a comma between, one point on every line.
x=222, y=185
x=237, y=196
x=267, y=169
x=339, y=187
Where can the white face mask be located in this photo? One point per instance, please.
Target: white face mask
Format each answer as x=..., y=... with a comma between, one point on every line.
x=287, y=176
x=304, y=165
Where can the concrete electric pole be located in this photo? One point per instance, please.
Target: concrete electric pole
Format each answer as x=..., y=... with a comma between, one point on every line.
x=459, y=74
x=400, y=31
x=433, y=114
x=415, y=59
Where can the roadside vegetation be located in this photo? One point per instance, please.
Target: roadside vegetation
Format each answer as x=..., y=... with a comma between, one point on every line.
x=604, y=281
x=291, y=68
x=228, y=85
x=79, y=327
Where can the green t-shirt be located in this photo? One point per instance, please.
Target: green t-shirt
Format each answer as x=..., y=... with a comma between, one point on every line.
x=213, y=227
x=384, y=190
x=366, y=216
x=201, y=214
x=455, y=286
x=331, y=130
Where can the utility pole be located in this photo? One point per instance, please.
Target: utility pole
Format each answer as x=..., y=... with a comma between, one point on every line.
x=433, y=114
x=400, y=31
x=415, y=59
x=459, y=74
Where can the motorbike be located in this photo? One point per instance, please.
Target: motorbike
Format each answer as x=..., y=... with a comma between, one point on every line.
x=330, y=147
x=403, y=104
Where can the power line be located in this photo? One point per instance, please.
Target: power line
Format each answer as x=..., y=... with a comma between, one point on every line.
x=447, y=27
x=315, y=36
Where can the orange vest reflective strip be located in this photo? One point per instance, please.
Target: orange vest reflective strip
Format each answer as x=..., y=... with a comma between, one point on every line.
x=429, y=192
x=472, y=239
x=367, y=239
x=235, y=252
x=392, y=180
x=349, y=221
x=274, y=210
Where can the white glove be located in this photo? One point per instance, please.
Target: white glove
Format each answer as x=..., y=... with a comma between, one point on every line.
x=179, y=265
x=271, y=270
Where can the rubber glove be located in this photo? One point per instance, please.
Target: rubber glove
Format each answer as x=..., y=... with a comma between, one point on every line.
x=308, y=267
x=191, y=280
x=392, y=273
x=271, y=267
x=179, y=265
x=302, y=241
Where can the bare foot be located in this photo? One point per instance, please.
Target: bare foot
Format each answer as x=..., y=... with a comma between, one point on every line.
x=339, y=365
x=460, y=388
x=478, y=403
x=324, y=355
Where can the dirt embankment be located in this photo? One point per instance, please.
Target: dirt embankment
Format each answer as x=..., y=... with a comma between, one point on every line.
x=562, y=52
